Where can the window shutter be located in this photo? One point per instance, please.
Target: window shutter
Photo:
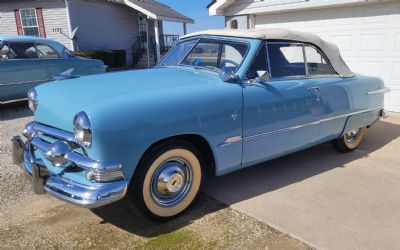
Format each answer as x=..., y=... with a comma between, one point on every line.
x=18, y=22
x=42, y=29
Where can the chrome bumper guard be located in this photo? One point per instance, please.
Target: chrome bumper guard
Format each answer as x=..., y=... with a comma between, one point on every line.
x=99, y=194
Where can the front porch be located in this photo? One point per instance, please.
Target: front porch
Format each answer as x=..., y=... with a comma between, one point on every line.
x=144, y=55
x=151, y=42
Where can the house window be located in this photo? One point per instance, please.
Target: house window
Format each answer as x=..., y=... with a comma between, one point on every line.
x=29, y=22
x=234, y=24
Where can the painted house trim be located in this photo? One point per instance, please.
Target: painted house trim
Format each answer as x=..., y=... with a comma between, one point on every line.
x=256, y=7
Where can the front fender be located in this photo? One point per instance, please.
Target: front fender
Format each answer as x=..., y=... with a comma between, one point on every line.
x=125, y=127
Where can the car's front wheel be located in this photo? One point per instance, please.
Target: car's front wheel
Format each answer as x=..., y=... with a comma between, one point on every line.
x=167, y=180
x=350, y=140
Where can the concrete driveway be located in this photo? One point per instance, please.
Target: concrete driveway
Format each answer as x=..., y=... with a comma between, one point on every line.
x=327, y=199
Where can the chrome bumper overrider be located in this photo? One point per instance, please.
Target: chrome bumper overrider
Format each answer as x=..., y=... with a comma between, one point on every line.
x=96, y=195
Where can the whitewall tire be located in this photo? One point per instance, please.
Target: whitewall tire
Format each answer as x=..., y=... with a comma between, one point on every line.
x=167, y=181
x=350, y=140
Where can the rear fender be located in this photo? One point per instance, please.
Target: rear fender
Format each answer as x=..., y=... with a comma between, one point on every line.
x=365, y=119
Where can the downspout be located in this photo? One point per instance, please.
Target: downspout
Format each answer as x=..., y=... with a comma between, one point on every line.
x=69, y=25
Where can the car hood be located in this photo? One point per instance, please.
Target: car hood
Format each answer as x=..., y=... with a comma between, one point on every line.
x=59, y=101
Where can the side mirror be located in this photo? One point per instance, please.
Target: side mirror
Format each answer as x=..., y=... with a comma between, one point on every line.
x=263, y=76
x=228, y=75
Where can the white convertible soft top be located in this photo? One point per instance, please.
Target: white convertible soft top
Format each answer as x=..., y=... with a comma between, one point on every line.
x=329, y=49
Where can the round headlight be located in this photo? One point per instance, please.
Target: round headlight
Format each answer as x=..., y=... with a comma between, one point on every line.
x=83, y=129
x=32, y=99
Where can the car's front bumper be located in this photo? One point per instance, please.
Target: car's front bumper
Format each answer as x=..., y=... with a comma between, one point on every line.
x=43, y=181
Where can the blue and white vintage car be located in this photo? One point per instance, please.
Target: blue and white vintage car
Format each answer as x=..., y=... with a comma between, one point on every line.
x=26, y=62
x=219, y=100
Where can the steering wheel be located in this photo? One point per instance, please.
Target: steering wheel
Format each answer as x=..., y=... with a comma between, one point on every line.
x=231, y=62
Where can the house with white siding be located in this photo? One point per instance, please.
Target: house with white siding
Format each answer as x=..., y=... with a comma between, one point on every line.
x=367, y=32
x=135, y=26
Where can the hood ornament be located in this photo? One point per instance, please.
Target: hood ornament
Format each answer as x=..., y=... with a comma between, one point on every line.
x=65, y=75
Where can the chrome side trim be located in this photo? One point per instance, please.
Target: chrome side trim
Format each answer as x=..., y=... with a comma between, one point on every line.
x=28, y=82
x=13, y=101
x=229, y=141
x=379, y=91
x=307, y=124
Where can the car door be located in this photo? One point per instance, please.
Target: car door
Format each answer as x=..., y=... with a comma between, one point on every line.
x=279, y=113
x=54, y=61
x=20, y=70
x=332, y=91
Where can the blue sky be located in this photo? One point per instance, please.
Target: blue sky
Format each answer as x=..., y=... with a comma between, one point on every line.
x=195, y=9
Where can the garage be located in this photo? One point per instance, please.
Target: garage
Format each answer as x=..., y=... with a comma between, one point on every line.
x=367, y=32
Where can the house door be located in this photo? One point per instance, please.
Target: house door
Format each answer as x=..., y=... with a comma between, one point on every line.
x=143, y=31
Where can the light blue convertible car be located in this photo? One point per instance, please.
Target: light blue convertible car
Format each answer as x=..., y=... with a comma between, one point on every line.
x=26, y=62
x=219, y=100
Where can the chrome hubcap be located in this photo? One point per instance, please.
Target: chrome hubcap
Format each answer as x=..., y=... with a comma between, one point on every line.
x=171, y=182
x=352, y=136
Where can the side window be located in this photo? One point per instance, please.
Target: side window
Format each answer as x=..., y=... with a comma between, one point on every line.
x=203, y=55
x=5, y=51
x=317, y=63
x=46, y=51
x=22, y=51
x=286, y=59
x=260, y=62
x=232, y=55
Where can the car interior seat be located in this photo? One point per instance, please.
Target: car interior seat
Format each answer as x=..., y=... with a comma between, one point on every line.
x=4, y=52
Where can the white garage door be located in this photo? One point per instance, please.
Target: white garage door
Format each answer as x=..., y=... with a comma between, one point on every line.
x=367, y=35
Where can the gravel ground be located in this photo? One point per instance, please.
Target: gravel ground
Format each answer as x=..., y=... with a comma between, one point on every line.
x=13, y=184
x=28, y=221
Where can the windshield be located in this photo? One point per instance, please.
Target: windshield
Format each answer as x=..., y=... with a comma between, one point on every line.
x=207, y=53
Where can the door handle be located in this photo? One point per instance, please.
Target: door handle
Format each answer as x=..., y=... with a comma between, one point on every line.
x=314, y=89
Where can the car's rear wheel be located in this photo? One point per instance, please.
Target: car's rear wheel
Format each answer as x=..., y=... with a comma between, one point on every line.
x=167, y=181
x=350, y=140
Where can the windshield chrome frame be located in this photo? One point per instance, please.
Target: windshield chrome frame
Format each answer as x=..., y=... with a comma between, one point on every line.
x=218, y=40
x=170, y=51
